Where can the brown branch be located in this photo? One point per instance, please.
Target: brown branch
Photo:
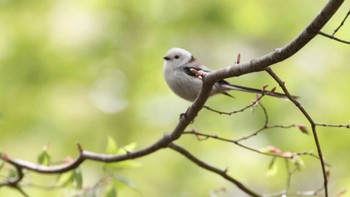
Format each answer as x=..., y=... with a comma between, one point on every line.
x=266, y=123
x=207, y=136
x=256, y=101
x=347, y=126
x=311, y=121
x=202, y=136
x=213, y=169
x=265, y=126
x=259, y=130
x=14, y=181
x=333, y=38
x=336, y=30
x=255, y=65
x=278, y=55
x=341, y=24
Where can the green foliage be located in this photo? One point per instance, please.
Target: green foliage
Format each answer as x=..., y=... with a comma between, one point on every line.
x=73, y=178
x=273, y=168
x=113, y=169
x=118, y=181
x=2, y=165
x=44, y=158
x=298, y=162
x=12, y=173
x=112, y=148
x=111, y=191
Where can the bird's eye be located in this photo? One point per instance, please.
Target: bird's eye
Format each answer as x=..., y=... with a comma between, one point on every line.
x=176, y=57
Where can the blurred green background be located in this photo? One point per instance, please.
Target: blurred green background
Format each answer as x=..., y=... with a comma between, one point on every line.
x=79, y=71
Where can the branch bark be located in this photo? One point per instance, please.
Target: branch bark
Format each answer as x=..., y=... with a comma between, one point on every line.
x=213, y=169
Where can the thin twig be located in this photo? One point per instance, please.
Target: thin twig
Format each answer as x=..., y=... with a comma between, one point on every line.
x=213, y=169
x=333, y=38
x=311, y=121
x=347, y=126
x=202, y=136
x=207, y=136
x=266, y=125
x=341, y=24
x=236, y=111
x=21, y=191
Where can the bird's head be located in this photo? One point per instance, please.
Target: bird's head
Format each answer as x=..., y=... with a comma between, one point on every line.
x=177, y=57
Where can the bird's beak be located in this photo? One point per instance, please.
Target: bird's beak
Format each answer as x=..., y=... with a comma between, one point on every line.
x=166, y=58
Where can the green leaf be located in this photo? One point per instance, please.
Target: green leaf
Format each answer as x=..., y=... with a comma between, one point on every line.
x=127, y=182
x=112, y=146
x=122, y=165
x=127, y=148
x=72, y=178
x=12, y=173
x=2, y=164
x=78, y=178
x=111, y=190
x=273, y=168
x=65, y=179
x=298, y=162
x=44, y=157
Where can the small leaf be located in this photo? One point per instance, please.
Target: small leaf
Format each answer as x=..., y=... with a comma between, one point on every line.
x=127, y=182
x=273, y=168
x=65, y=179
x=78, y=178
x=44, y=157
x=127, y=148
x=111, y=190
x=112, y=146
x=2, y=164
x=298, y=162
x=12, y=173
x=122, y=165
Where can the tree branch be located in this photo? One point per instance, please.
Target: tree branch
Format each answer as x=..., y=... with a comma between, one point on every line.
x=333, y=38
x=254, y=65
x=279, y=54
x=213, y=169
x=312, y=124
x=341, y=23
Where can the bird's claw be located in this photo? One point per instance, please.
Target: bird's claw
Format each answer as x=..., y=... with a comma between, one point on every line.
x=199, y=74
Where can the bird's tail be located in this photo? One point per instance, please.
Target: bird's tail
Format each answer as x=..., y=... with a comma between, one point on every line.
x=256, y=91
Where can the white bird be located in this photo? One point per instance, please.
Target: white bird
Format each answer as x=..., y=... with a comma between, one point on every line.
x=180, y=69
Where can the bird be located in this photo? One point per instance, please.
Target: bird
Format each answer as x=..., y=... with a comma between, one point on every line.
x=181, y=70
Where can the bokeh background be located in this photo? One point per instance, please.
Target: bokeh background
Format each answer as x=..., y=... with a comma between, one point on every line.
x=74, y=71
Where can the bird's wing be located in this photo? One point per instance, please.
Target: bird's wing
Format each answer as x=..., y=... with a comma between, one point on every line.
x=196, y=65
